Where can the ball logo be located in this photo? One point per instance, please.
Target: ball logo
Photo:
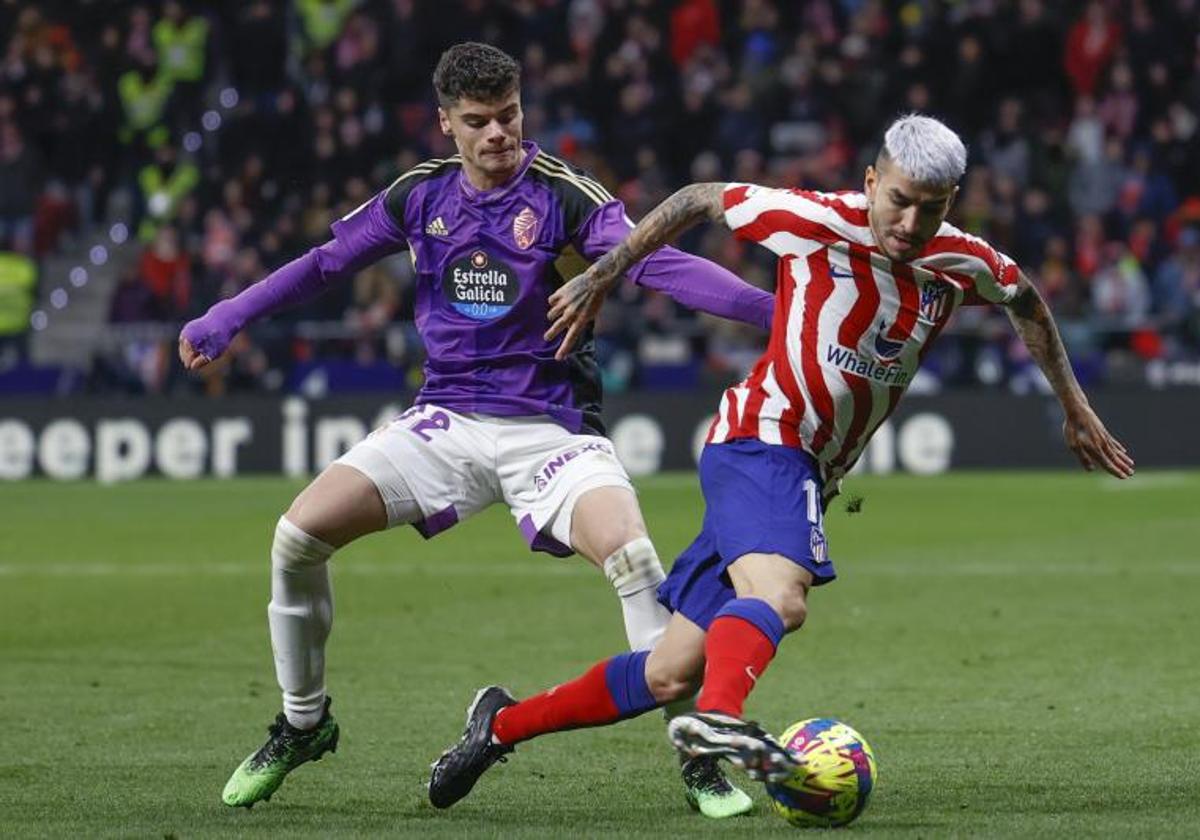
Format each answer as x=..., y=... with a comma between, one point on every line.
x=525, y=227
x=480, y=287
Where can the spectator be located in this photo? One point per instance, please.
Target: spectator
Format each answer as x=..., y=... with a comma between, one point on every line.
x=164, y=183
x=1176, y=289
x=1082, y=125
x=1120, y=291
x=1095, y=187
x=322, y=21
x=20, y=180
x=1091, y=42
x=165, y=271
x=181, y=45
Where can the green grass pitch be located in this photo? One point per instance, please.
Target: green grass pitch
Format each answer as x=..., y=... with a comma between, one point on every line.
x=1021, y=649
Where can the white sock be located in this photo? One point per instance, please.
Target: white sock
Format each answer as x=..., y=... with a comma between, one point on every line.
x=635, y=573
x=300, y=615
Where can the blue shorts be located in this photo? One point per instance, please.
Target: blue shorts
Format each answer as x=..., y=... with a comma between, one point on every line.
x=759, y=498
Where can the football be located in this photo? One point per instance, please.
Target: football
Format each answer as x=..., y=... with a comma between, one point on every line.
x=836, y=775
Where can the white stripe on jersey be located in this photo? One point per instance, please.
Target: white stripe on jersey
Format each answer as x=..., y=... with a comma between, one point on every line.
x=720, y=429
x=772, y=409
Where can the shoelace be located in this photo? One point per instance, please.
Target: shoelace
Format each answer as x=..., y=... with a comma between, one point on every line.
x=279, y=740
x=706, y=776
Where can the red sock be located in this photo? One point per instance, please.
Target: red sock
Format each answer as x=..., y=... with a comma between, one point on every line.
x=737, y=653
x=584, y=701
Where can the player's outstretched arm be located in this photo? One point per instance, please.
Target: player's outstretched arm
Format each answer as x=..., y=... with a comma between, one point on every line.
x=205, y=339
x=361, y=238
x=575, y=304
x=1086, y=436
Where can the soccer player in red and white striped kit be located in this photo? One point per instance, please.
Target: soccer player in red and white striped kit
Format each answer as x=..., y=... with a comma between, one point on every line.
x=866, y=281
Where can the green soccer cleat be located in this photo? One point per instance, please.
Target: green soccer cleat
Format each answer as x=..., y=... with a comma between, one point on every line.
x=261, y=774
x=708, y=791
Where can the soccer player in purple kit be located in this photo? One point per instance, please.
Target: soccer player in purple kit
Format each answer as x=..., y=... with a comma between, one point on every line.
x=492, y=231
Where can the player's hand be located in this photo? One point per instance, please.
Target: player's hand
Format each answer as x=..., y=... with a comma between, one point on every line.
x=1093, y=445
x=574, y=305
x=191, y=358
x=204, y=340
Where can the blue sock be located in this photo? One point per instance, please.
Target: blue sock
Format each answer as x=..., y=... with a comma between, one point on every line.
x=625, y=676
x=759, y=613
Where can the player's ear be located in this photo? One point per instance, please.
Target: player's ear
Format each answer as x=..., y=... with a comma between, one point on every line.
x=444, y=122
x=870, y=179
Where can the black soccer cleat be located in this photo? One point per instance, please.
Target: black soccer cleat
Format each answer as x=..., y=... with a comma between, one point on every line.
x=459, y=768
x=744, y=743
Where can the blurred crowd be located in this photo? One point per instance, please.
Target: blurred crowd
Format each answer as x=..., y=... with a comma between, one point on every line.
x=225, y=137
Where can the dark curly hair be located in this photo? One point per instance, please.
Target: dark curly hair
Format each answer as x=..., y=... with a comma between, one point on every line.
x=475, y=71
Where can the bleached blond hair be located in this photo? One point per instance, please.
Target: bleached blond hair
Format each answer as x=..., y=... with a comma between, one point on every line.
x=926, y=150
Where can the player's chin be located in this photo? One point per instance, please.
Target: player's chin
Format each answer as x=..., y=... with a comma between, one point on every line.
x=497, y=161
x=902, y=249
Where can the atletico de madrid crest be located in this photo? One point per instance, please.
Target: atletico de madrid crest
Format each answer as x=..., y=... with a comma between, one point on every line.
x=934, y=297
x=525, y=228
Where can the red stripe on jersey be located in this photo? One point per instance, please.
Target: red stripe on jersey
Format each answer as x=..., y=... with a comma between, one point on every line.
x=817, y=291
x=860, y=319
x=1006, y=274
x=853, y=215
x=789, y=427
x=758, y=395
x=734, y=197
x=862, y=314
x=712, y=427
x=731, y=412
x=785, y=221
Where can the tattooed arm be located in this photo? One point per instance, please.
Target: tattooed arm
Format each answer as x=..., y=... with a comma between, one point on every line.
x=1084, y=433
x=575, y=304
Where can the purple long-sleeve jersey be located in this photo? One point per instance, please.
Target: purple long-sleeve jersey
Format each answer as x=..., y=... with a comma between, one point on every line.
x=486, y=263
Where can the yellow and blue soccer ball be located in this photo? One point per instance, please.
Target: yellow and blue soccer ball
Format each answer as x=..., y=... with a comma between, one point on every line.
x=835, y=778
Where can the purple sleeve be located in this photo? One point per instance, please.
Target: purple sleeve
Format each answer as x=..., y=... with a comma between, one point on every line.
x=359, y=239
x=692, y=281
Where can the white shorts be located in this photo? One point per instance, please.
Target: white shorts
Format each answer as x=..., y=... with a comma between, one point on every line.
x=435, y=468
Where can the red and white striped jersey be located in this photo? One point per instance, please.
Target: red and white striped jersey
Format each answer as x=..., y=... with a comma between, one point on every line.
x=851, y=325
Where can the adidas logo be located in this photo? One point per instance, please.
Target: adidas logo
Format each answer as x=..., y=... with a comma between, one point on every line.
x=437, y=228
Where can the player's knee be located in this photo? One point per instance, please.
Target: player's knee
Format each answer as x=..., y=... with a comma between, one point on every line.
x=619, y=537
x=792, y=606
x=604, y=520
x=633, y=567
x=669, y=684
x=293, y=548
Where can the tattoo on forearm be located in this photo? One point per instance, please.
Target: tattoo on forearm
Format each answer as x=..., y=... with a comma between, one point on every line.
x=1035, y=325
x=686, y=207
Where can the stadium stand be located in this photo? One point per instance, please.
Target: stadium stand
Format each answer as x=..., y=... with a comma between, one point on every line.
x=155, y=157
